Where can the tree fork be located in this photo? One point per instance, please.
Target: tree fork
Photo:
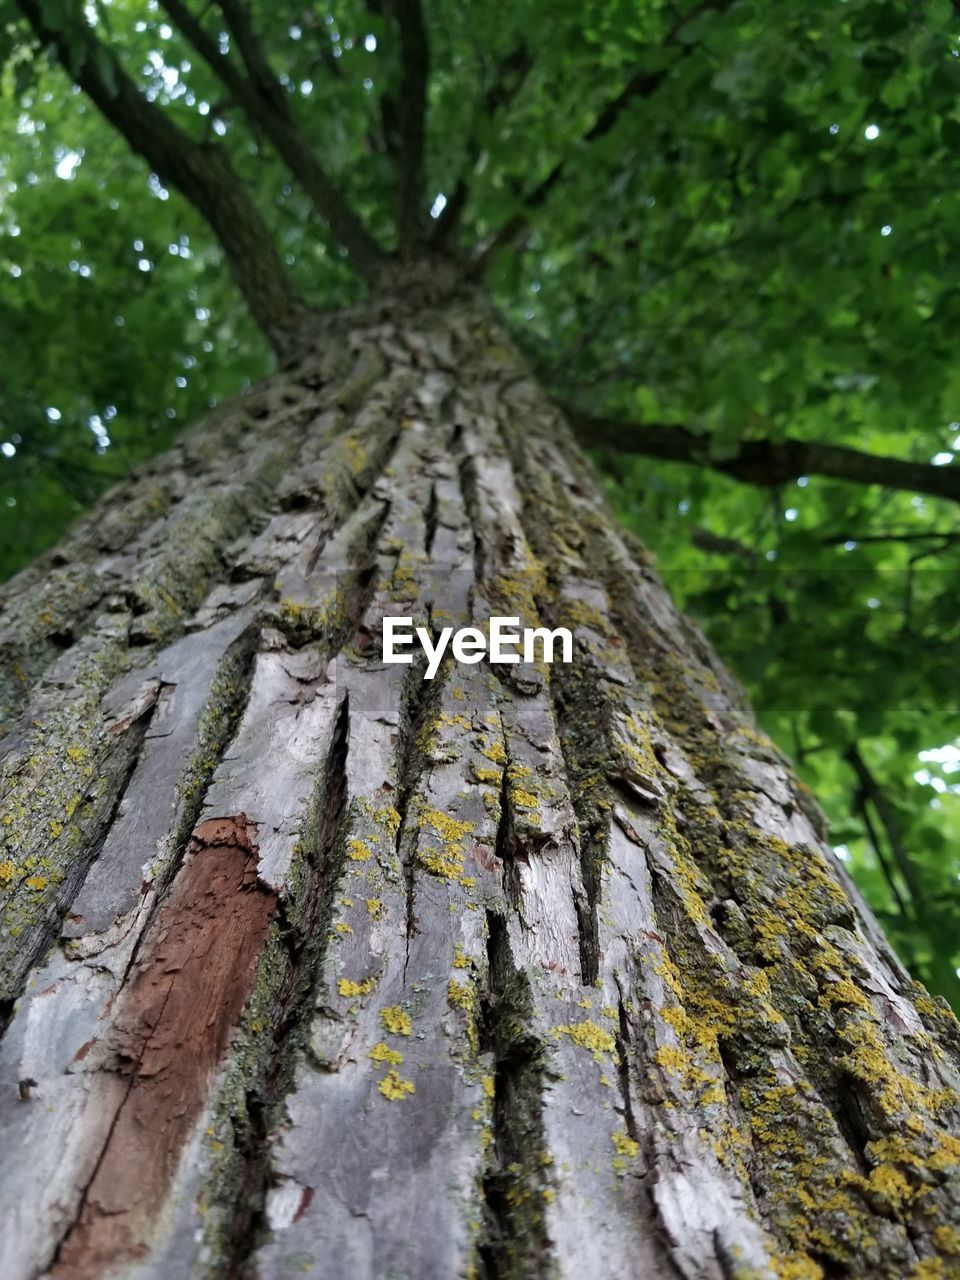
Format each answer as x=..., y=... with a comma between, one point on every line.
x=729, y=1075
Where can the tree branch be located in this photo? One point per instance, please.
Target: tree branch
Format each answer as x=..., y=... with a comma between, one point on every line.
x=769, y=462
x=708, y=541
x=389, y=123
x=871, y=790
x=643, y=84
x=237, y=85
x=860, y=805
x=252, y=55
x=200, y=172
x=415, y=57
x=262, y=97
x=933, y=535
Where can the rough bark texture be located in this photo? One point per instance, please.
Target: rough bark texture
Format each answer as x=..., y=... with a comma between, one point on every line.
x=312, y=967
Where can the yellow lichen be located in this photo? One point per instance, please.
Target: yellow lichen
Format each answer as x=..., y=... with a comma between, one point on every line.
x=494, y=751
x=382, y=1052
x=797, y=1266
x=357, y=851
x=394, y=1087
x=456, y=722
x=672, y=1059
x=460, y=995
x=446, y=862
x=676, y=1016
x=388, y=817
x=526, y=799
x=845, y=993
x=888, y=1182
x=929, y=1269
x=450, y=830
x=396, y=1020
x=351, y=989
x=947, y=1239
x=588, y=1035
x=624, y=1145
x=441, y=866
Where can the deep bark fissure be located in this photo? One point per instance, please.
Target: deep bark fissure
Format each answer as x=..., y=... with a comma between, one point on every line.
x=430, y=521
x=419, y=713
x=840, y=1095
x=302, y=934
x=584, y=740
x=468, y=480
x=507, y=847
x=513, y=1181
x=625, y=1048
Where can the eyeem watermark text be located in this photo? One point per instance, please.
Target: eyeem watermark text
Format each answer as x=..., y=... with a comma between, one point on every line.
x=504, y=643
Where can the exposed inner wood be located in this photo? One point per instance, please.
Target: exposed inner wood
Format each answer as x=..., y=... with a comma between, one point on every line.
x=169, y=1030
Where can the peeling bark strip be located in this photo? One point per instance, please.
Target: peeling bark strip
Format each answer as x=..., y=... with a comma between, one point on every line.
x=170, y=1029
x=523, y=971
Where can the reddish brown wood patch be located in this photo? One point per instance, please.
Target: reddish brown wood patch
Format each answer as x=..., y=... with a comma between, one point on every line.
x=173, y=1023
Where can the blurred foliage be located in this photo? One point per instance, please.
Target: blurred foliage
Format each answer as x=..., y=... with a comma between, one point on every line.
x=765, y=244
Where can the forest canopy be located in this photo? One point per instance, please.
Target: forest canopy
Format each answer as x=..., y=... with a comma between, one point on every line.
x=724, y=234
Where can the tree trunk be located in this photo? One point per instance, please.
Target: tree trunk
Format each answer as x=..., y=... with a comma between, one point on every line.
x=312, y=966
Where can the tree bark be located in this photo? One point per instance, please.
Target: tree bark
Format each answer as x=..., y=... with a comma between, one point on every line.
x=312, y=966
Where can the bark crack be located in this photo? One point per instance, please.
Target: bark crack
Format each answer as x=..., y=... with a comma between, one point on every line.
x=583, y=732
x=507, y=847
x=515, y=1242
x=430, y=521
x=301, y=931
x=419, y=714
x=469, y=481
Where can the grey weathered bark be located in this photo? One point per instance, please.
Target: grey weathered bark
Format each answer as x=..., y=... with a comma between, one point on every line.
x=313, y=967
